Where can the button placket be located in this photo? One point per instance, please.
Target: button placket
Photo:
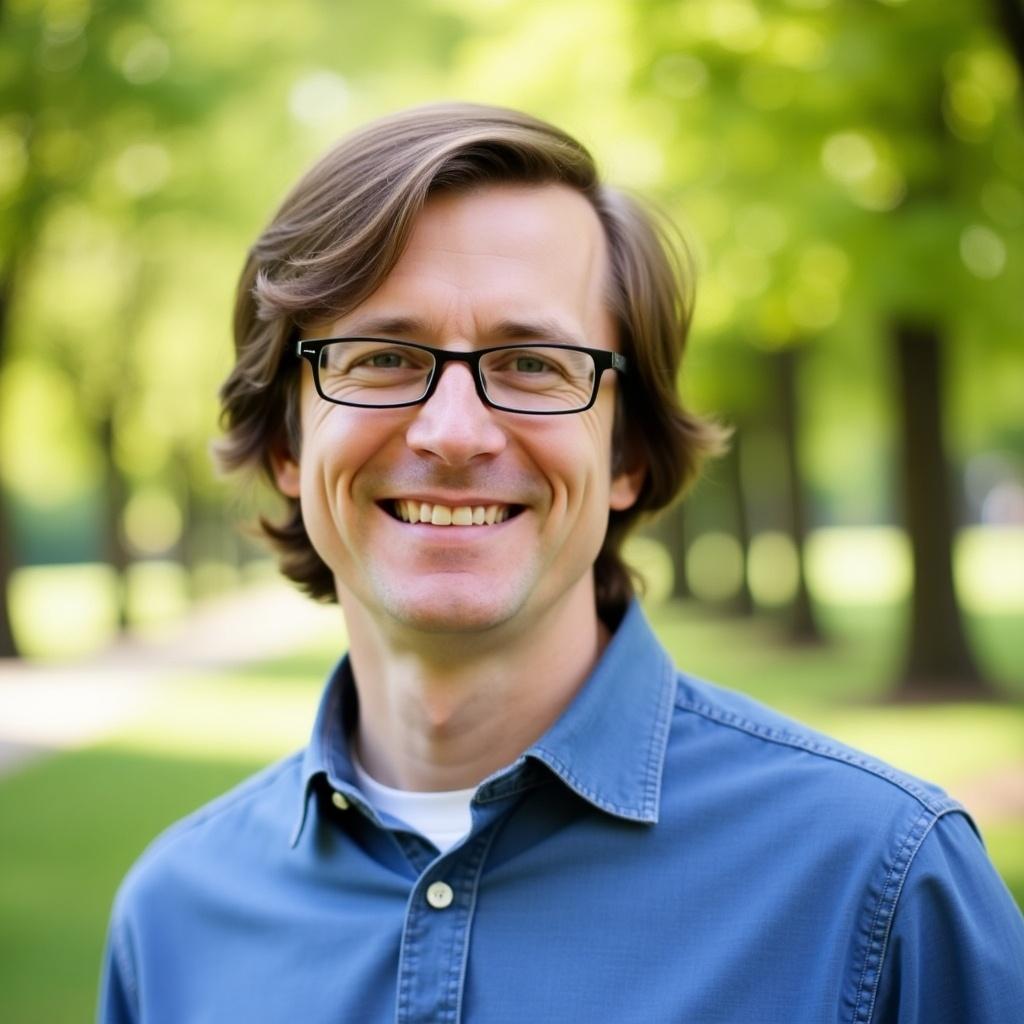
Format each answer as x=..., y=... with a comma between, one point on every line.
x=435, y=939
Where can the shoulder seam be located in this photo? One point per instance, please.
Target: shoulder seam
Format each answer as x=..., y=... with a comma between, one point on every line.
x=849, y=757
x=125, y=963
x=885, y=912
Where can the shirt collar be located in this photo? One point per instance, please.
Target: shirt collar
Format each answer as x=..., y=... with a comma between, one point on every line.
x=326, y=754
x=608, y=746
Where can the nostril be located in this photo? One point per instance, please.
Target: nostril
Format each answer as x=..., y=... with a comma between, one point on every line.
x=455, y=425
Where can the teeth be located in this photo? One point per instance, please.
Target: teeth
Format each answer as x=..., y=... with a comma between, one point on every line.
x=445, y=515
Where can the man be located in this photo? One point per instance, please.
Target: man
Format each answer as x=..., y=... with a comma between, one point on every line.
x=457, y=356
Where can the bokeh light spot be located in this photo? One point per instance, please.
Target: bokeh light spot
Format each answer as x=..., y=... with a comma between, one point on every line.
x=982, y=251
x=143, y=168
x=798, y=45
x=60, y=611
x=318, y=98
x=637, y=162
x=989, y=563
x=681, y=76
x=145, y=60
x=862, y=565
x=884, y=190
x=736, y=25
x=714, y=566
x=653, y=562
x=849, y=157
x=772, y=568
x=152, y=521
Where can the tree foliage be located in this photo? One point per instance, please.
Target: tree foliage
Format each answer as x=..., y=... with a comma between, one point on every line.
x=841, y=168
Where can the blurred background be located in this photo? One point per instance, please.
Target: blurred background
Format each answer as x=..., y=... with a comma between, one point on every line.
x=850, y=178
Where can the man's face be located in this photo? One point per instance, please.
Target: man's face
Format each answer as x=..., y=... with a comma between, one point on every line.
x=502, y=264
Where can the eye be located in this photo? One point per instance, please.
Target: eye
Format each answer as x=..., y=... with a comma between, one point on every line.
x=530, y=364
x=384, y=360
x=379, y=359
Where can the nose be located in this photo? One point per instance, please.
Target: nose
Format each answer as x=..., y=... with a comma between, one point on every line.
x=454, y=425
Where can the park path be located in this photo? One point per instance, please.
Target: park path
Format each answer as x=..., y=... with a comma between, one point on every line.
x=48, y=707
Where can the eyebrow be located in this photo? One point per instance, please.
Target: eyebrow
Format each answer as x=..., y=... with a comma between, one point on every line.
x=386, y=325
x=544, y=329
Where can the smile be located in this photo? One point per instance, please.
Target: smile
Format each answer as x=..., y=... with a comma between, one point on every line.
x=409, y=511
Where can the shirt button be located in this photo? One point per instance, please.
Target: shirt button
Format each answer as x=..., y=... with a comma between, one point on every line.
x=340, y=801
x=440, y=895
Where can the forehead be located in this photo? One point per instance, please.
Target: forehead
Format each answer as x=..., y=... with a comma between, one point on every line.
x=501, y=253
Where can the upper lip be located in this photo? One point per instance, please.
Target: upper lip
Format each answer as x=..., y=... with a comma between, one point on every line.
x=451, y=502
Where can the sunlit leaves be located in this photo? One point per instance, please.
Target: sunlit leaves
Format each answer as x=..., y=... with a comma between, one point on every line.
x=831, y=161
x=46, y=456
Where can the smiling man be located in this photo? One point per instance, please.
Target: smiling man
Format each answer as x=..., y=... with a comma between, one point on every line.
x=457, y=355
x=458, y=626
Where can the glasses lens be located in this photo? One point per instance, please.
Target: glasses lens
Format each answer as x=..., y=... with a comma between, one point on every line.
x=374, y=372
x=539, y=378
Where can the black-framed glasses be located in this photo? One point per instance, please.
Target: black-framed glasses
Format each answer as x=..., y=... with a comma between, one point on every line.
x=377, y=373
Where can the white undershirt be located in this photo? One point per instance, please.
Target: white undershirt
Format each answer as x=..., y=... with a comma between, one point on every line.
x=444, y=818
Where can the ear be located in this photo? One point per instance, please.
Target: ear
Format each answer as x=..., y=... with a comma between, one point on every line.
x=626, y=485
x=286, y=469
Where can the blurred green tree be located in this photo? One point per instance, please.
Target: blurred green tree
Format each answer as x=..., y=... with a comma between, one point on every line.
x=844, y=165
x=851, y=172
x=141, y=141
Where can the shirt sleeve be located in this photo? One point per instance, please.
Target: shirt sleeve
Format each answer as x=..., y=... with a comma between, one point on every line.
x=956, y=949
x=118, y=1003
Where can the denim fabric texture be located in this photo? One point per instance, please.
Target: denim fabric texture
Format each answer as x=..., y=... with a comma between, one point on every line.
x=668, y=851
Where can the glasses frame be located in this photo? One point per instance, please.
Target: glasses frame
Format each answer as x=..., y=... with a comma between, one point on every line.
x=310, y=350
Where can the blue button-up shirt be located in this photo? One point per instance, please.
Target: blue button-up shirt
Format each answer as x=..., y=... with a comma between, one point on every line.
x=667, y=851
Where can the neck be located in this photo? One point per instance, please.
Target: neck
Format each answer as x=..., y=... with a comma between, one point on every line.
x=445, y=712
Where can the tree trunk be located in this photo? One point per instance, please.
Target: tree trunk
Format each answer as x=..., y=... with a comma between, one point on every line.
x=115, y=545
x=1010, y=16
x=803, y=626
x=939, y=664
x=743, y=602
x=194, y=521
x=8, y=648
x=675, y=535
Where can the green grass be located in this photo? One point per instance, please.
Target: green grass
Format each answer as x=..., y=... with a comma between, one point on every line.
x=72, y=826
x=73, y=823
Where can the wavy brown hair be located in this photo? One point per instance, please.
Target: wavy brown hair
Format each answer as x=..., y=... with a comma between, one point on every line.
x=341, y=230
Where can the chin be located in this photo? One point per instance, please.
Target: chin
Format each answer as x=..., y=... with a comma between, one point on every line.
x=451, y=608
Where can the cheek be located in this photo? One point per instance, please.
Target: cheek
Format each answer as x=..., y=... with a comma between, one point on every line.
x=576, y=459
x=337, y=444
